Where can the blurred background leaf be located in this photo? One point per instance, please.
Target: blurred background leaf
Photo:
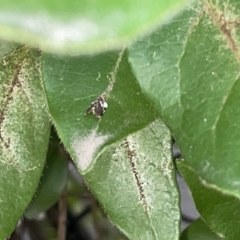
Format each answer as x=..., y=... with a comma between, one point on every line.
x=53, y=179
x=219, y=211
x=72, y=26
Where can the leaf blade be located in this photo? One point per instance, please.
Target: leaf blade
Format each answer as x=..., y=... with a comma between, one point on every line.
x=199, y=103
x=217, y=209
x=198, y=230
x=135, y=180
x=52, y=182
x=24, y=134
x=81, y=80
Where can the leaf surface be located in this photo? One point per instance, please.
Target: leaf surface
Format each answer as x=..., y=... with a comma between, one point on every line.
x=219, y=211
x=24, y=133
x=190, y=69
x=198, y=230
x=73, y=83
x=134, y=180
x=53, y=180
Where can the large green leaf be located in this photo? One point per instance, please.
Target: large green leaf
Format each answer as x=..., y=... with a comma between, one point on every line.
x=198, y=230
x=24, y=132
x=190, y=69
x=135, y=182
x=219, y=211
x=73, y=83
x=81, y=26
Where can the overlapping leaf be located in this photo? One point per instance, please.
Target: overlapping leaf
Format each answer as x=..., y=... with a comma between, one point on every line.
x=135, y=182
x=24, y=132
x=190, y=69
x=73, y=83
x=198, y=230
x=219, y=211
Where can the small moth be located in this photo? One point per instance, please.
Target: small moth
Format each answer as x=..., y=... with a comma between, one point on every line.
x=98, y=107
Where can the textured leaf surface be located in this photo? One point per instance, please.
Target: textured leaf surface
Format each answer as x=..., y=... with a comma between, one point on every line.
x=198, y=230
x=7, y=47
x=73, y=83
x=53, y=179
x=219, y=211
x=135, y=182
x=81, y=26
x=24, y=133
x=190, y=69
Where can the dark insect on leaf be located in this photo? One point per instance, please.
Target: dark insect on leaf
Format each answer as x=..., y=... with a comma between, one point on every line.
x=97, y=107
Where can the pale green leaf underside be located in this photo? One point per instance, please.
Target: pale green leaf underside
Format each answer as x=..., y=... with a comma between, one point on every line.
x=73, y=26
x=134, y=180
x=190, y=69
x=24, y=133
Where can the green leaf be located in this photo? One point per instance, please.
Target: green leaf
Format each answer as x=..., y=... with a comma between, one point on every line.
x=7, y=47
x=198, y=230
x=24, y=133
x=73, y=83
x=134, y=180
x=190, y=69
x=53, y=179
x=220, y=211
x=74, y=26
